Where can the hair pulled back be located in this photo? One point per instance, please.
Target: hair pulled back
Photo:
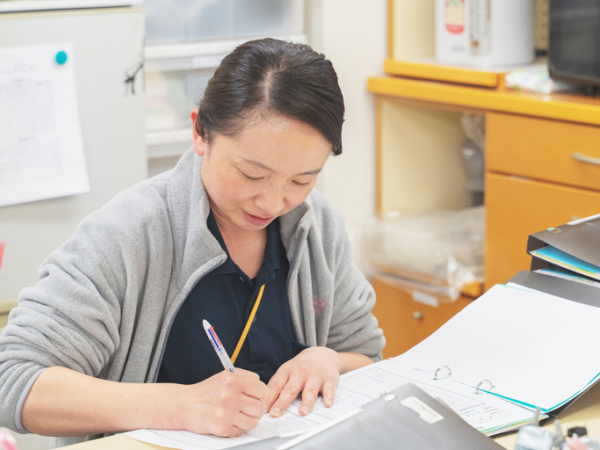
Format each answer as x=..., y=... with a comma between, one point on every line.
x=270, y=76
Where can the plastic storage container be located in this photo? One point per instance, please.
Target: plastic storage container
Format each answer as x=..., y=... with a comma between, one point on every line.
x=176, y=21
x=171, y=95
x=436, y=252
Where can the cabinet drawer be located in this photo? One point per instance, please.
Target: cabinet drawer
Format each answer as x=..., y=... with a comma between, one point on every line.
x=515, y=208
x=406, y=322
x=543, y=149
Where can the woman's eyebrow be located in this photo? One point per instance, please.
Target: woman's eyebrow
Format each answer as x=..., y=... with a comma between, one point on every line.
x=262, y=166
x=257, y=164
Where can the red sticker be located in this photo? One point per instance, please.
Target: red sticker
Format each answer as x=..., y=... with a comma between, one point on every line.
x=2, y=247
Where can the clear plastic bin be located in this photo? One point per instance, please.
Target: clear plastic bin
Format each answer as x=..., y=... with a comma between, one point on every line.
x=171, y=95
x=171, y=21
x=259, y=17
x=442, y=249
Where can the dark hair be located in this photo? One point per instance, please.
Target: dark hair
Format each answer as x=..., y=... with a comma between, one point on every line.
x=268, y=76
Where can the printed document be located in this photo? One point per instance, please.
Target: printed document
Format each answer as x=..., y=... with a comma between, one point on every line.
x=483, y=411
x=41, y=145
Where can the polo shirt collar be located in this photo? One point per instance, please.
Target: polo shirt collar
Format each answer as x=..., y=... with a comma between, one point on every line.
x=273, y=256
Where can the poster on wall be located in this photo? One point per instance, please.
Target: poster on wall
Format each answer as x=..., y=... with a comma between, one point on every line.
x=41, y=144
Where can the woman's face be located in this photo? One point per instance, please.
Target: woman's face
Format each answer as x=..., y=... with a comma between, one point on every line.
x=262, y=173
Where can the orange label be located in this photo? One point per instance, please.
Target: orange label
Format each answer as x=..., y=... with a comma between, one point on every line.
x=455, y=16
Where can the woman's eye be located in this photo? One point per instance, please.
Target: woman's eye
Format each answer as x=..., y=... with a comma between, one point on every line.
x=248, y=177
x=297, y=183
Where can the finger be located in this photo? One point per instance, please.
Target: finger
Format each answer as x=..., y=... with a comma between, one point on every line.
x=228, y=431
x=287, y=396
x=309, y=396
x=245, y=422
x=247, y=373
x=276, y=385
x=254, y=388
x=253, y=407
x=328, y=394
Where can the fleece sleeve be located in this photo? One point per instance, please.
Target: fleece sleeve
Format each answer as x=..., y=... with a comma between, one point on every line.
x=70, y=318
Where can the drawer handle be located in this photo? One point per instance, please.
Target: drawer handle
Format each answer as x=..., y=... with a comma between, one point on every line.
x=418, y=315
x=586, y=159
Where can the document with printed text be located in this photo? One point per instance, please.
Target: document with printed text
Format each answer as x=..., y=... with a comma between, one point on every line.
x=41, y=144
x=485, y=412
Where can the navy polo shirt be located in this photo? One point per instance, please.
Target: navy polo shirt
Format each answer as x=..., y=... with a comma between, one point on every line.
x=225, y=298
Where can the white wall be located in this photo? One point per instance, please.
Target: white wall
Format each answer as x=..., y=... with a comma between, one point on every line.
x=353, y=35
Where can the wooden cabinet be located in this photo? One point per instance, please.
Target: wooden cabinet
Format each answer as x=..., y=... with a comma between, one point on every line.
x=517, y=207
x=542, y=156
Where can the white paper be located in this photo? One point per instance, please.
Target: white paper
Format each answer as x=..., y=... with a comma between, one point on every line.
x=41, y=146
x=535, y=348
x=485, y=412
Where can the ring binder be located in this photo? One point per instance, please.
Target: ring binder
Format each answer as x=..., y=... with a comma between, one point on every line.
x=435, y=375
x=482, y=382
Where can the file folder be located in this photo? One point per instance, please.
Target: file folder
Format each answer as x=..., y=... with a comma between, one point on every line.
x=580, y=239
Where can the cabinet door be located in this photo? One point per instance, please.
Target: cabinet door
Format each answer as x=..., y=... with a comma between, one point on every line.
x=517, y=207
x=406, y=322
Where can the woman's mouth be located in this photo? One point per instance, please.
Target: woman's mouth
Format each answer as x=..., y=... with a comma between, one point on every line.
x=256, y=220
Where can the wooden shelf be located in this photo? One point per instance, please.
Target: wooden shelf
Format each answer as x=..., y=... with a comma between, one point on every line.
x=571, y=108
x=429, y=70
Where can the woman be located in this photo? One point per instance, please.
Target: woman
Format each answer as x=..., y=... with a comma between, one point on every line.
x=121, y=304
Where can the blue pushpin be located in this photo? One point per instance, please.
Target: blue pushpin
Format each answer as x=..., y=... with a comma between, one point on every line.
x=61, y=57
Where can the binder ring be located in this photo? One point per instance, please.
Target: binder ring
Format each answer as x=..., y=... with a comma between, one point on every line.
x=484, y=382
x=435, y=375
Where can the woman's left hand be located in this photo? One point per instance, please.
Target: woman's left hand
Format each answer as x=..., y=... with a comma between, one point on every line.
x=313, y=371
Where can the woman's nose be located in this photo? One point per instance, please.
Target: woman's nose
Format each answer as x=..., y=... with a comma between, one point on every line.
x=270, y=202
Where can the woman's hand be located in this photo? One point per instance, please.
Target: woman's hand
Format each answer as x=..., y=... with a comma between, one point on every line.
x=313, y=371
x=226, y=404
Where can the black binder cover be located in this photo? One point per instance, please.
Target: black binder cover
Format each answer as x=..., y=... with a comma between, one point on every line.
x=581, y=240
x=563, y=288
x=391, y=425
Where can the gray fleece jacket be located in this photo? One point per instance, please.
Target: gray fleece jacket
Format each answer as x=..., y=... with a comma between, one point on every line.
x=106, y=299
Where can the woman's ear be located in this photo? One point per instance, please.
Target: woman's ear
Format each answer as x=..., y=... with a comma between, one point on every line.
x=200, y=144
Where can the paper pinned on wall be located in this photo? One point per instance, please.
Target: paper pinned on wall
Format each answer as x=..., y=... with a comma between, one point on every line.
x=41, y=145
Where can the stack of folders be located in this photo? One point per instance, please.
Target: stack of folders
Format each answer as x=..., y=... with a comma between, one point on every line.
x=571, y=251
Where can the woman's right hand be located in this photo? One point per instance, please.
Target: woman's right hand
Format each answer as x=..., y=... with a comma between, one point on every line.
x=226, y=404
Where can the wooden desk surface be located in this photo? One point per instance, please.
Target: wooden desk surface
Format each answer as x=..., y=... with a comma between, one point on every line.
x=585, y=411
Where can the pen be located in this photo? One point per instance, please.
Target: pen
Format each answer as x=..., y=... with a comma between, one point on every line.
x=216, y=343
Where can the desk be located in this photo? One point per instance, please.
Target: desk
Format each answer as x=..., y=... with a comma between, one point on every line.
x=585, y=411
